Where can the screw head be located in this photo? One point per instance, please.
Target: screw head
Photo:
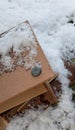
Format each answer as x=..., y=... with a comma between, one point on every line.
x=36, y=71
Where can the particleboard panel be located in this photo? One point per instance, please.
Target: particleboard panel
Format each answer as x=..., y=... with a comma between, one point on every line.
x=14, y=86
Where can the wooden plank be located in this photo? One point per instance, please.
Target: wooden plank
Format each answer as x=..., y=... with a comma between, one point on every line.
x=3, y=123
x=51, y=96
x=23, y=97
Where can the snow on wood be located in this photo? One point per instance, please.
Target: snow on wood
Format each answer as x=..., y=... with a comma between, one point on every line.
x=17, y=47
x=21, y=85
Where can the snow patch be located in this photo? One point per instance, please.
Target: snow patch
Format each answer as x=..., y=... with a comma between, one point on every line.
x=17, y=47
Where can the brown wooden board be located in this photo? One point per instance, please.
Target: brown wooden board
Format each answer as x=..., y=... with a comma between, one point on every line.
x=19, y=86
x=3, y=123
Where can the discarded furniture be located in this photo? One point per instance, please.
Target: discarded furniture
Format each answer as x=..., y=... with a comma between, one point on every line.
x=21, y=85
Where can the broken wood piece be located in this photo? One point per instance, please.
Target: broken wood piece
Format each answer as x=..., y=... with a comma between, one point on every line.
x=3, y=123
x=51, y=96
x=21, y=107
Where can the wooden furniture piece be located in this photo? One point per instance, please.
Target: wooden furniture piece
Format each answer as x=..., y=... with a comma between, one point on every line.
x=20, y=86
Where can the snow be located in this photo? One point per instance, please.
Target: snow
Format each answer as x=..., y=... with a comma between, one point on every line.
x=19, y=41
x=50, y=20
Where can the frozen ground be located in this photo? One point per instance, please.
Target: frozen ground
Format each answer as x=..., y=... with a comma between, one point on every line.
x=54, y=24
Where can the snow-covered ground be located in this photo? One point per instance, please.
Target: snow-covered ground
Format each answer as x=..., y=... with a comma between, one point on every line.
x=53, y=21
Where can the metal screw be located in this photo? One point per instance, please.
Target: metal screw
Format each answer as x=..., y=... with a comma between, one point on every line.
x=36, y=71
